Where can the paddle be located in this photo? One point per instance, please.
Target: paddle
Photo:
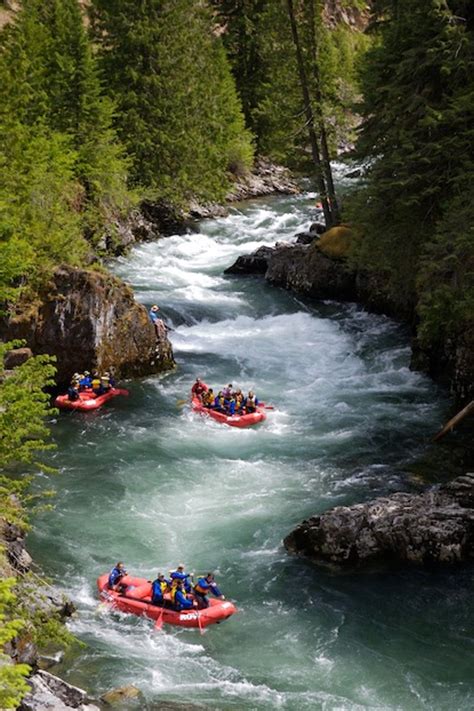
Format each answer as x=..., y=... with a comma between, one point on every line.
x=180, y=403
x=159, y=621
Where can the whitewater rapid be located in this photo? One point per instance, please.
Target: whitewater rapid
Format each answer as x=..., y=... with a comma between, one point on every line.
x=151, y=483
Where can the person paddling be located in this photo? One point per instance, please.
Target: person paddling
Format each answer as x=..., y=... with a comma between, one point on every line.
x=203, y=587
x=116, y=574
x=198, y=389
x=180, y=575
x=179, y=599
x=158, y=588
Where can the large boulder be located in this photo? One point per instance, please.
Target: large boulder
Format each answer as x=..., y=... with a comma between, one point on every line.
x=90, y=319
x=306, y=270
x=255, y=263
x=436, y=526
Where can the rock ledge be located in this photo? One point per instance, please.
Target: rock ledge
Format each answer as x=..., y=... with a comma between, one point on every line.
x=433, y=527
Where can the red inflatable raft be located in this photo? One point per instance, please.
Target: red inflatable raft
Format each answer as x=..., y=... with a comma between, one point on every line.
x=137, y=600
x=87, y=400
x=252, y=418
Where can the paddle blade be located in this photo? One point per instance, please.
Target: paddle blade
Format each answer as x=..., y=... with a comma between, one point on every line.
x=158, y=626
x=180, y=403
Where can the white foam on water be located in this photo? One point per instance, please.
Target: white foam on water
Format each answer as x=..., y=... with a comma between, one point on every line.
x=152, y=483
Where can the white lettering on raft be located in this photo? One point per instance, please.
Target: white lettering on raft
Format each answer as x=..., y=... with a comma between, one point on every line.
x=189, y=616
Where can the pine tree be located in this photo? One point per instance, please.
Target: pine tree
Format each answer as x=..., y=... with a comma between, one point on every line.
x=50, y=78
x=417, y=133
x=178, y=110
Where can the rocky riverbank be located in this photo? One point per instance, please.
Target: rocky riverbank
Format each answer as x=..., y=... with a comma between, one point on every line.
x=432, y=527
x=316, y=266
x=160, y=218
x=90, y=319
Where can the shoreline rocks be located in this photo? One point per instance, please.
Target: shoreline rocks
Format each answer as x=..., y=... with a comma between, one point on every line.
x=160, y=218
x=51, y=692
x=90, y=319
x=432, y=527
x=319, y=269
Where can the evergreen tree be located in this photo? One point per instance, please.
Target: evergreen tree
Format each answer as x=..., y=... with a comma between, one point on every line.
x=258, y=39
x=178, y=110
x=417, y=134
x=23, y=434
x=50, y=78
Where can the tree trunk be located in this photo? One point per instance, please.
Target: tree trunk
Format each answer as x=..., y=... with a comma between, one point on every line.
x=310, y=118
x=320, y=116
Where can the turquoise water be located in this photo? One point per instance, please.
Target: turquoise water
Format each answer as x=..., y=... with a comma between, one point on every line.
x=153, y=484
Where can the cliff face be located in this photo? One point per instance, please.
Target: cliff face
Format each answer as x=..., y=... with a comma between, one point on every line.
x=89, y=319
x=354, y=15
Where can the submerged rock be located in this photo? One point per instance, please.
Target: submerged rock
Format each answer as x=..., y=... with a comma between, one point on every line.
x=120, y=696
x=434, y=527
x=89, y=319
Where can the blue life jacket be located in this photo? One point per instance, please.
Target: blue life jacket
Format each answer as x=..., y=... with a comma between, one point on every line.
x=204, y=587
x=85, y=382
x=156, y=592
x=115, y=576
x=176, y=575
x=72, y=394
x=154, y=316
x=181, y=601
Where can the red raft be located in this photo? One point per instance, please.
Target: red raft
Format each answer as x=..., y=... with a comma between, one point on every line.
x=252, y=418
x=137, y=600
x=87, y=400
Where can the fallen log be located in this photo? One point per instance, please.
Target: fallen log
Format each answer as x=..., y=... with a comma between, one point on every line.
x=454, y=421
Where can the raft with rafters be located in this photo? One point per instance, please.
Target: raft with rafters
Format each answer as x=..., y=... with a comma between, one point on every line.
x=247, y=420
x=135, y=598
x=238, y=420
x=87, y=400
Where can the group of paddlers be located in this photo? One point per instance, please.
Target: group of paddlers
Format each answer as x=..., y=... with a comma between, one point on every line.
x=96, y=383
x=177, y=592
x=227, y=400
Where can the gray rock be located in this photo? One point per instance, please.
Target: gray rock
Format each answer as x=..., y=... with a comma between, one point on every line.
x=306, y=270
x=19, y=556
x=89, y=319
x=49, y=693
x=123, y=695
x=255, y=263
x=265, y=179
x=436, y=526
x=16, y=357
x=354, y=173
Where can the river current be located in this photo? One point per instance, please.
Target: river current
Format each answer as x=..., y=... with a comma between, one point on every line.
x=146, y=481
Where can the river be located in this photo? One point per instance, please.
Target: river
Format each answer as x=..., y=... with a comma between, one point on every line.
x=146, y=481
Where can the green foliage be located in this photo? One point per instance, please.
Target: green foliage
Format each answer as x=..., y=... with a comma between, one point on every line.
x=258, y=39
x=446, y=280
x=39, y=225
x=23, y=431
x=415, y=209
x=13, y=685
x=62, y=170
x=23, y=435
x=178, y=111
